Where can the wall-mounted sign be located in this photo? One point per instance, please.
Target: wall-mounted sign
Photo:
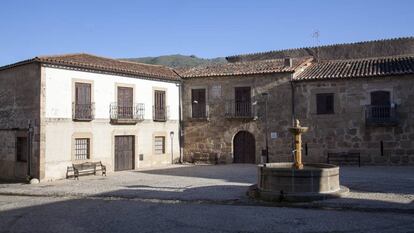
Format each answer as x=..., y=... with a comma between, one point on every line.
x=273, y=135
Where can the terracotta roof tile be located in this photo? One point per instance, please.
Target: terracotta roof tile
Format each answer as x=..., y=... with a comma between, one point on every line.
x=93, y=62
x=243, y=68
x=369, y=67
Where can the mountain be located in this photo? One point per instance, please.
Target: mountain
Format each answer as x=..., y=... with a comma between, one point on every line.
x=178, y=60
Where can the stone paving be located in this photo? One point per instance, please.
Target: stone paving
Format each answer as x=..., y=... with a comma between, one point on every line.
x=372, y=188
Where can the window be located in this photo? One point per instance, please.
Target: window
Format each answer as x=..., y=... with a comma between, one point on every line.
x=242, y=101
x=160, y=109
x=21, y=149
x=198, y=103
x=83, y=104
x=159, y=145
x=125, y=102
x=82, y=150
x=325, y=103
x=380, y=98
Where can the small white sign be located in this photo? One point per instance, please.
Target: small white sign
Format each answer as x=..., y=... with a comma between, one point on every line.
x=273, y=135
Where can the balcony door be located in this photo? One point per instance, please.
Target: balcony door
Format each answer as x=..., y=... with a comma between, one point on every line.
x=198, y=103
x=83, y=106
x=159, y=106
x=242, y=101
x=125, y=102
x=380, y=104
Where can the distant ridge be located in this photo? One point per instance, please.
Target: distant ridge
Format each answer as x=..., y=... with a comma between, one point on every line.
x=178, y=60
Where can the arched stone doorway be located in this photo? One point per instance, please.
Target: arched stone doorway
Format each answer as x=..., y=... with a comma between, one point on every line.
x=244, y=148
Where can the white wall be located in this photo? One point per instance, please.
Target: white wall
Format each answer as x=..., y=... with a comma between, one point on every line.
x=60, y=128
x=59, y=93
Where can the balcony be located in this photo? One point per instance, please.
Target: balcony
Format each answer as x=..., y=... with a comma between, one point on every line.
x=160, y=114
x=381, y=115
x=237, y=109
x=199, y=111
x=83, y=112
x=126, y=114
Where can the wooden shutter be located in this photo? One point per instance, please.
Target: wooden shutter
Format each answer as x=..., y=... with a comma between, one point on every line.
x=242, y=94
x=83, y=93
x=159, y=97
x=242, y=101
x=125, y=96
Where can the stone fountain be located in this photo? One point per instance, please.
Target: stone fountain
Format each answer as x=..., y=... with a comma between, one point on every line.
x=296, y=181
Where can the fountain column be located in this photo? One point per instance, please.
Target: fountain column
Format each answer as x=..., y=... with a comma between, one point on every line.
x=297, y=130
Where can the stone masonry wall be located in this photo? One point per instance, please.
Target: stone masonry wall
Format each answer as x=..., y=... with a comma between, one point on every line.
x=346, y=129
x=19, y=104
x=215, y=135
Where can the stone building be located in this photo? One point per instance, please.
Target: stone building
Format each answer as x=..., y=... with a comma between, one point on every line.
x=354, y=97
x=82, y=108
x=60, y=110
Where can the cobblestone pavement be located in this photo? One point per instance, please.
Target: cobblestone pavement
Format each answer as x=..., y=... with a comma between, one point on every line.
x=187, y=198
x=372, y=188
x=51, y=214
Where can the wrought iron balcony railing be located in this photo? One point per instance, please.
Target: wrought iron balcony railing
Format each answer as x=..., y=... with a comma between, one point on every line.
x=160, y=113
x=126, y=114
x=83, y=112
x=199, y=111
x=381, y=114
x=239, y=109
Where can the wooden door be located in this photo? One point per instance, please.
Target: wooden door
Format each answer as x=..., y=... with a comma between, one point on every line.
x=124, y=153
x=244, y=148
x=242, y=101
x=125, y=102
x=159, y=105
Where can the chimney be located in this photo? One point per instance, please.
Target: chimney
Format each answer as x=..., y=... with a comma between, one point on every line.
x=288, y=62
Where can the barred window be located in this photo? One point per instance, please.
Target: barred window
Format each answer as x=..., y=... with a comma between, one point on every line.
x=21, y=149
x=82, y=150
x=159, y=145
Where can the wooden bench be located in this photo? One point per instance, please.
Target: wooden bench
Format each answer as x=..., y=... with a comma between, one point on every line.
x=85, y=168
x=344, y=158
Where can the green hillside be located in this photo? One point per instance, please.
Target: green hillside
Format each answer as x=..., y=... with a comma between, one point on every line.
x=178, y=61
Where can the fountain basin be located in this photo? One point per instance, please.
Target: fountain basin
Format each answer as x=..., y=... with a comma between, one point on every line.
x=283, y=182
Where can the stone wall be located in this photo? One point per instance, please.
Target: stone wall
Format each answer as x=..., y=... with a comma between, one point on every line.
x=346, y=129
x=343, y=131
x=376, y=48
x=215, y=135
x=19, y=104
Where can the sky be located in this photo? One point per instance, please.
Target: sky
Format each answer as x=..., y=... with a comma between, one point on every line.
x=209, y=28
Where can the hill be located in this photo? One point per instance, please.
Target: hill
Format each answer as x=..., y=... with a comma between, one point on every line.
x=178, y=61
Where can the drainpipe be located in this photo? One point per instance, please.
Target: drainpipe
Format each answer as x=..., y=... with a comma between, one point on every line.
x=180, y=115
x=292, y=85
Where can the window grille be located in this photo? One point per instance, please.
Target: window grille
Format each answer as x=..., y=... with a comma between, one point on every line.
x=82, y=149
x=159, y=145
